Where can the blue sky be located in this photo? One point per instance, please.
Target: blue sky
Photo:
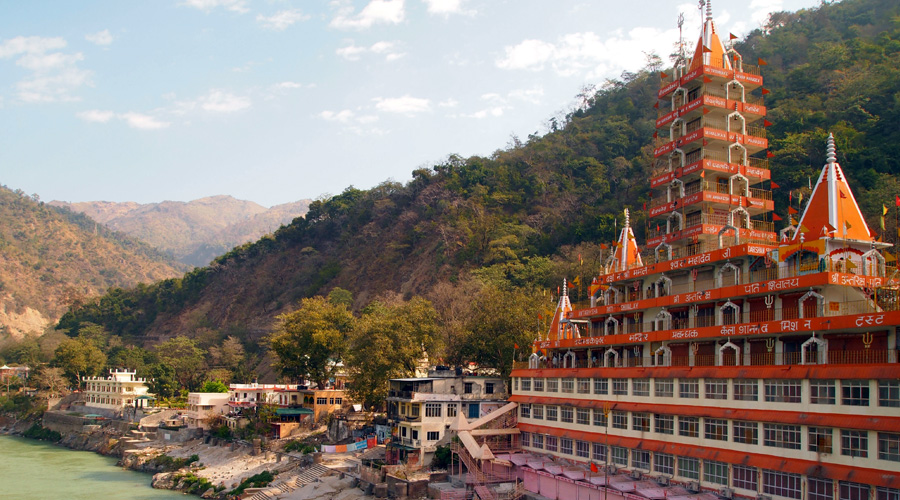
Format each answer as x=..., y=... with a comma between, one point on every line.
x=276, y=100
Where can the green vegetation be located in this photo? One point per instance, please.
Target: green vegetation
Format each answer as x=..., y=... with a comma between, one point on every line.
x=213, y=386
x=254, y=481
x=42, y=434
x=195, y=485
x=167, y=463
x=299, y=446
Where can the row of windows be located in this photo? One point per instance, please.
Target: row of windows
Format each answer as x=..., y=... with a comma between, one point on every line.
x=431, y=409
x=822, y=392
x=712, y=472
x=853, y=443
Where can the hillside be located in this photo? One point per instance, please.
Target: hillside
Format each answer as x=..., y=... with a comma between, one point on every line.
x=194, y=232
x=51, y=258
x=526, y=214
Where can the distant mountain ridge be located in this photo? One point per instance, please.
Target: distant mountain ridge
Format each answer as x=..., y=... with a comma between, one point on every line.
x=51, y=258
x=194, y=232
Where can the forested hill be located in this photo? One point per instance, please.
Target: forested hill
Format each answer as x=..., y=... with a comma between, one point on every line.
x=51, y=258
x=538, y=210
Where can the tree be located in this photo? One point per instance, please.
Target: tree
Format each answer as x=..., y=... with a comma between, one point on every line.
x=78, y=358
x=213, y=386
x=162, y=381
x=51, y=379
x=310, y=340
x=387, y=342
x=183, y=355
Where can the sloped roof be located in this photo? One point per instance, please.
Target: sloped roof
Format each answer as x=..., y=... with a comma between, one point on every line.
x=709, y=50
x=626, y=255
x=832, y=209
x=563, y=308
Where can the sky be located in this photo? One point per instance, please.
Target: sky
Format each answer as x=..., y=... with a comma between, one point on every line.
x=275, y=101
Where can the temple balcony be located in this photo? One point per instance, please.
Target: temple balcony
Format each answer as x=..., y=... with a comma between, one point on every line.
x=748, y=75
x=752, y=139
x=667, y=169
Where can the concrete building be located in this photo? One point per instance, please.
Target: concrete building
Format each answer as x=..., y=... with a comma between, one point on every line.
x=203, y=405
x=120, y=389
x=421, y=410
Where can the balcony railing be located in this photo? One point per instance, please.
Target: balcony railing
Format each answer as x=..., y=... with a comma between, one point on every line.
x=835, y=357
x=662, y=163
x=713, y=92
x=718, y=62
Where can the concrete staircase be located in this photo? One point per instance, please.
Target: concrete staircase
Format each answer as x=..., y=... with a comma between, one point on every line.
x=134, y=437
x=287, y=485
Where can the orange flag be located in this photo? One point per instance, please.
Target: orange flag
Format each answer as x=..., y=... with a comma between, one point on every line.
x=765, y=91
x=663, y=74
x=594, y=467
x=766, y=123
x=762, y=62
x=731, y=36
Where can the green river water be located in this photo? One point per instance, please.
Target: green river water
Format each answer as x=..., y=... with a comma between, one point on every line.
x=40, y=471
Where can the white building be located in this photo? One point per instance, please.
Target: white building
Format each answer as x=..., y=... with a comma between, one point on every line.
x=204, y=405
x=120, y=389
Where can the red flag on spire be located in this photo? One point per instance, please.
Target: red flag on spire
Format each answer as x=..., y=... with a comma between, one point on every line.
x=775, y=217
x=707, y=79
x=663, y=74
x=770, y=154
x=774, y=185
x=792, y=210
x=732, y=36
x=843, y=196
x=706, y=49
x=762, y=62
x=765, y=91
x=515, y=345
x=897, y=201
x=594, y=468
x=655, y=135
x=766, y=123
x=705, y=110
x=656, y=105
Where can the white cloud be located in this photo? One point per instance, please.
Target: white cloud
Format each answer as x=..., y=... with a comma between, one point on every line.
x=448, y=103
x=100, y=38
x=532, y=95
x=143, y=122
x=220, y=101
x=289, y=85
x=282, y=20
x=447, y=7
x=239, y=6
x=343, y=116
x=54, y=75
x=494, y=111
x=96, y=116
x=406, y=105
x=376, y=12
x=528, y=54
x=760, y=10
x=354, y=52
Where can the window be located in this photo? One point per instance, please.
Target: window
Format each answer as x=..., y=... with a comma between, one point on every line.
x=889, y=393
x=584, y=386
x=599, y=418
x=403, y=432
x=538, y=385
x=854, y=443
x=744, y=477
x=415, y=434
x=550, y=443
x=452, y=409
x=598, y=452
x=619, y=420
x=515, y=384
x=568, y=385
x=321, y=401
x=526, y=384
x=488, y=387
x=640, y=387
x=820, y=489
x=601, y=386
x=715, y=428
x=582, y=449
x=566, y=414
x=640, y=422
x=689, y=389
x=689, y=426
x=433, y=435
x=525, y=411
x=664, y=463
x=882, y=493
x=852, y=491
x=820, y=439
x=855, y=392
x=889, y=446
x=745, y=432
x=565, y=446
x=552, y=385
x=620, y=386
x=414, y=410
x=467, y=387
x=551, y=412
x=782, y=391
x=432, y=409
x=583, y=416
x=537, y=441
x=716, y=389
x=784, y=484
x=715, y=472
x=689, y=468
x=746, y=390
x=619, y=455
x=537, y=412
x=664, y=424
x=338, y=401
x=821, y=392
x=664, y=388
x=781, y=436
x=525, y=439
x=640, y=459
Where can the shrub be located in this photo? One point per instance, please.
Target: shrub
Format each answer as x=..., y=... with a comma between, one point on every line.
x=255, y=481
